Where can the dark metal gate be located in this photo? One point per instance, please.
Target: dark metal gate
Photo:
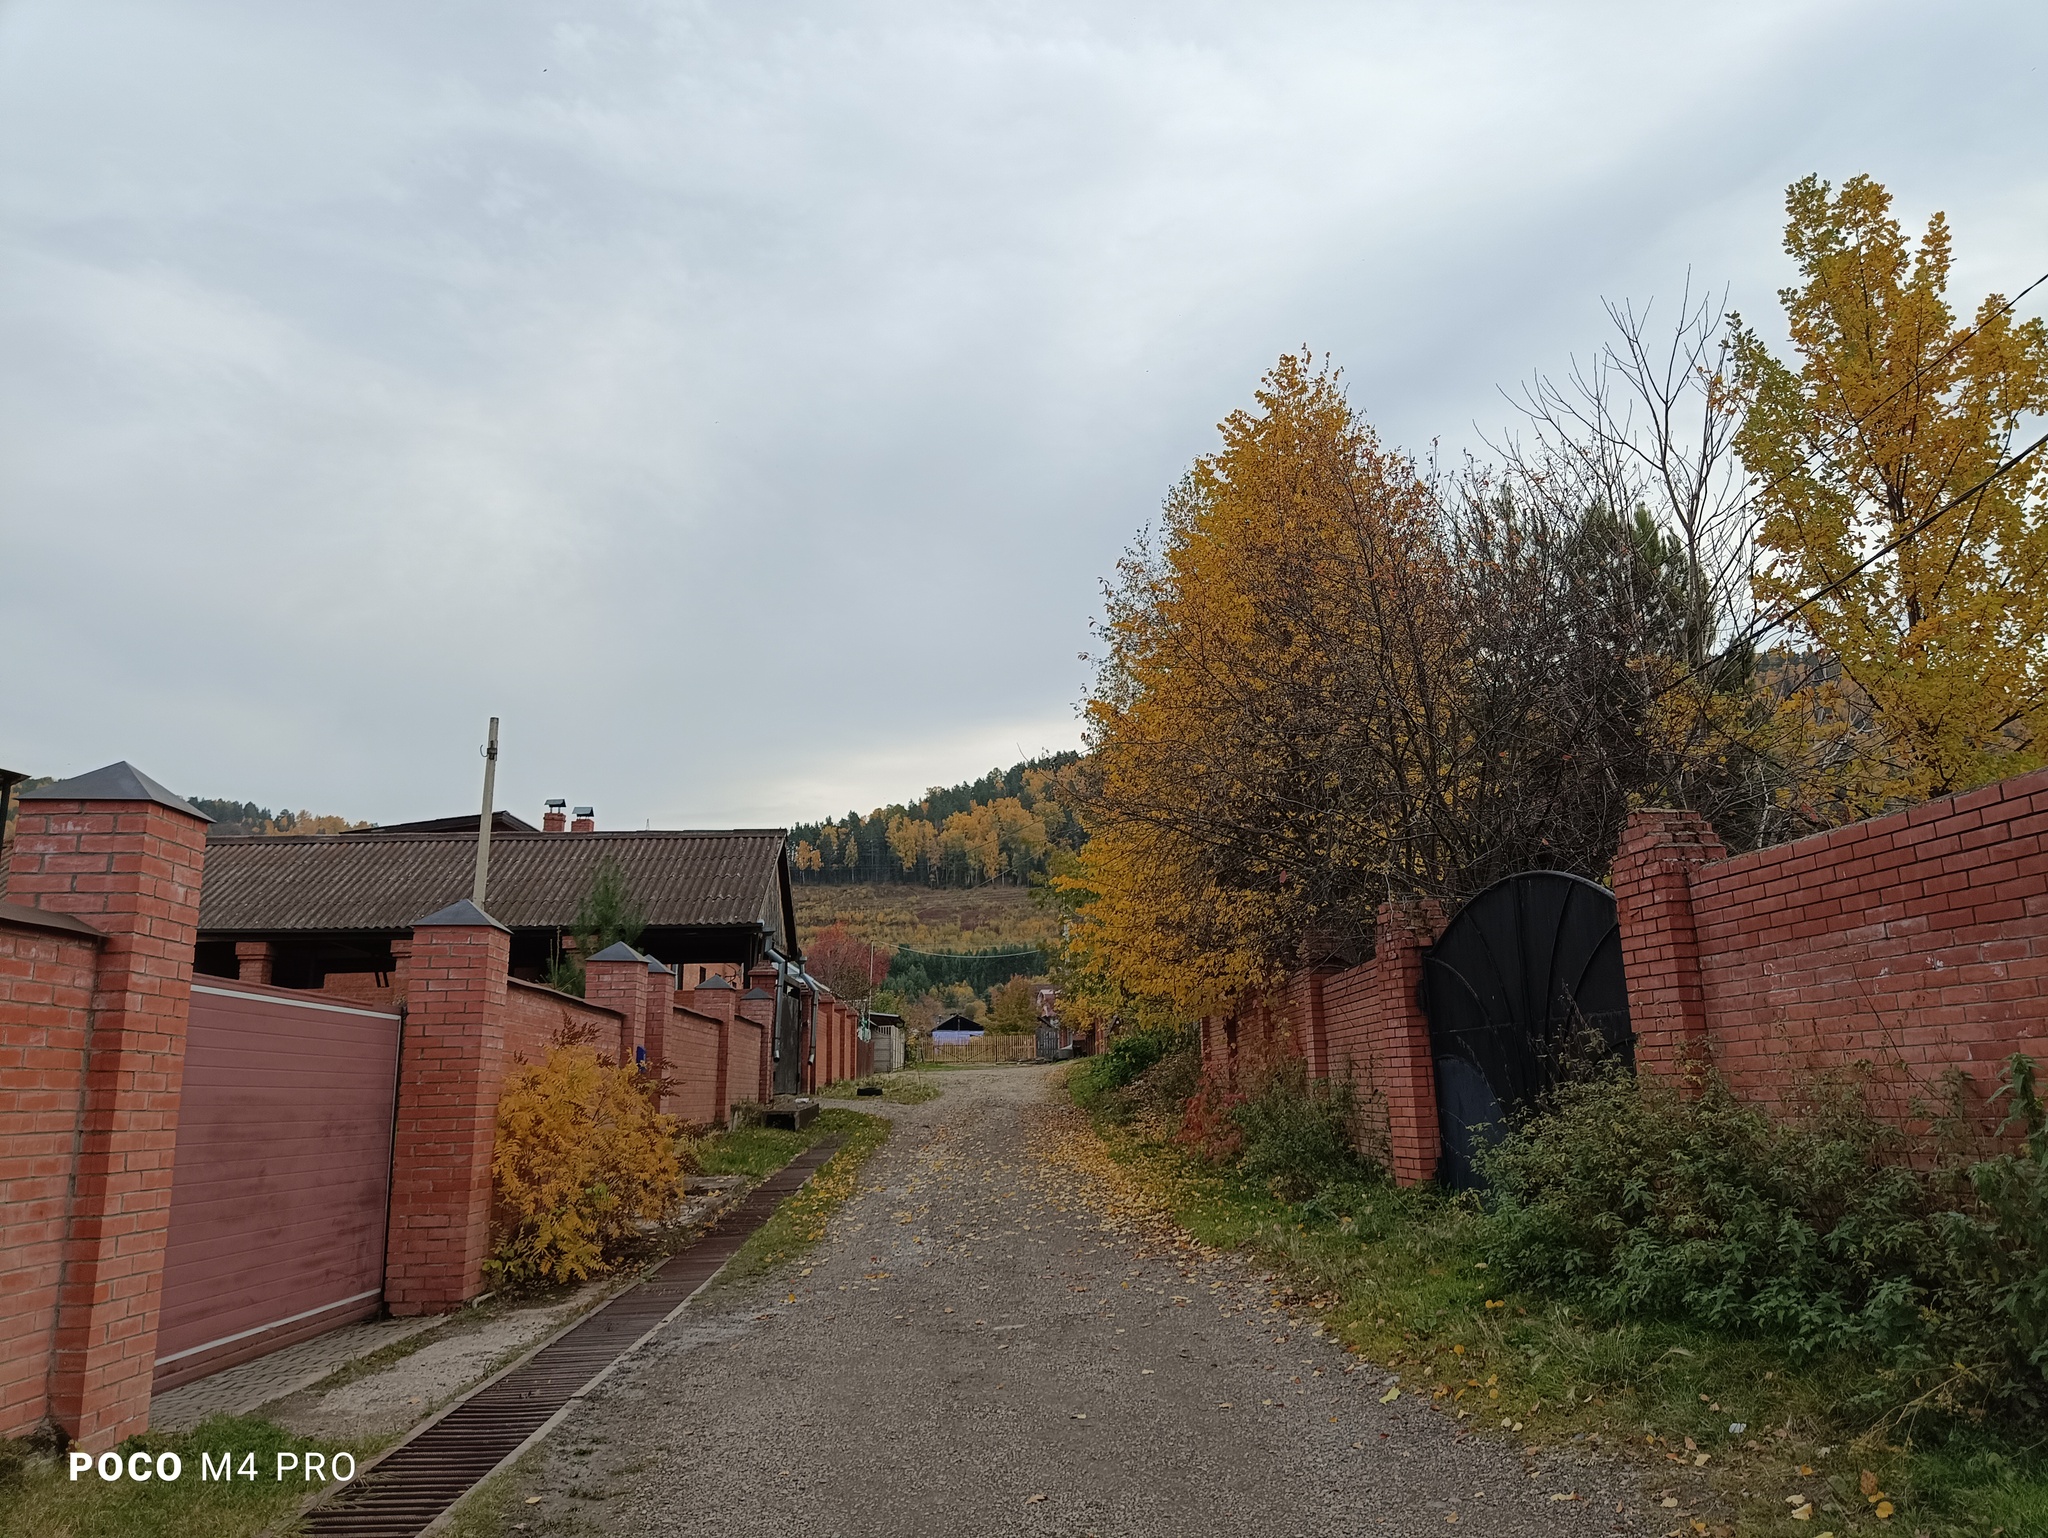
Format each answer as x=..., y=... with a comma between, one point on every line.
x=789, y=1041
x=1525, y=982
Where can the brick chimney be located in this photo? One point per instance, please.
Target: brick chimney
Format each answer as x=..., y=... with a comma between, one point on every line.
x=556, y=820
x=586, y=820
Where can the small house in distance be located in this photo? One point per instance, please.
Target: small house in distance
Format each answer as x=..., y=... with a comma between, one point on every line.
x=954, y=1029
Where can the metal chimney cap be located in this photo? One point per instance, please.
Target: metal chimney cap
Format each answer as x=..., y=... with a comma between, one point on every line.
x=586, y=811
x=556, y=801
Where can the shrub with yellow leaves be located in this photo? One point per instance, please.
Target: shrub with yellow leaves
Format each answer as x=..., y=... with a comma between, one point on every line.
x=582, y=1158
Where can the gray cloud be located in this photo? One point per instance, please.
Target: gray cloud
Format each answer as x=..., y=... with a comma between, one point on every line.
x=744, y=402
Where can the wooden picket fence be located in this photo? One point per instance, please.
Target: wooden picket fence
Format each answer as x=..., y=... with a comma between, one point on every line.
x=1010, y=1047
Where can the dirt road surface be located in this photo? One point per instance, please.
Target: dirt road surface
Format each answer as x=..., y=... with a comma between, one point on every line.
x=985, y=1344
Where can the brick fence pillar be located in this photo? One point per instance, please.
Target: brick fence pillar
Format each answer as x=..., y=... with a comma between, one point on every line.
x=1403, y=1067
x=116, y=849
x=1660, y=951
x=661, y=1003
x=451, y=1070
x=1305, y=1004
x=717, y=998
x=616, y=978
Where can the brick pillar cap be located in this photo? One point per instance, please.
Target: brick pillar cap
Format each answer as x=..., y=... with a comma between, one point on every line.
x=618, y=950
x=655, y=966
x=460, y=914
x=714, y=981
x=120, y=781
x=757, y=993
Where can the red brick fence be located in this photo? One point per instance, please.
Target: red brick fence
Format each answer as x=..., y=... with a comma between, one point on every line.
x=99, y=1120
x=1911, y=949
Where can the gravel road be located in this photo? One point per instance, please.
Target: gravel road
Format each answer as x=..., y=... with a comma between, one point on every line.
x=982, y=1345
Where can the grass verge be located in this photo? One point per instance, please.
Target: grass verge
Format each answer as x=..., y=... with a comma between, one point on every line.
x=800, y=1221
x=39, y=1499
x=1727, y=1430
x=896, y=1088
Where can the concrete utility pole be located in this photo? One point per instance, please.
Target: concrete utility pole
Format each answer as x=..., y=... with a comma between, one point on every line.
x=483, y=826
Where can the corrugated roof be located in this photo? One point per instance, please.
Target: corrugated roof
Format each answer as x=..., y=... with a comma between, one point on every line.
x=537, y=880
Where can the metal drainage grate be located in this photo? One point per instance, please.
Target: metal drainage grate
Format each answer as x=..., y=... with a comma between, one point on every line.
x=415, y=1482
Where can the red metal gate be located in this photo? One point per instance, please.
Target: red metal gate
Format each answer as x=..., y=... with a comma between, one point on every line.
x=280, y=1194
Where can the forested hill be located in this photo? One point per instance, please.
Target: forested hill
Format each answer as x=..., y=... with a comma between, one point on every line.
x=1005, y=826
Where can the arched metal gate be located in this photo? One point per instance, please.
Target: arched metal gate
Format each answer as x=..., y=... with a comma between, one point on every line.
x=1526, y=980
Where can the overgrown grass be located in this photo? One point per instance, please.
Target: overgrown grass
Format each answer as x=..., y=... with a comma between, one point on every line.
x=1405, y=1278
x=896, y=1088
x=755, y=1152
x=800, y=1221
x=38, y=1498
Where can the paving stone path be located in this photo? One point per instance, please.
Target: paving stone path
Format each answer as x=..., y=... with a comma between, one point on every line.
x=240, y=1390
x=982, y=1345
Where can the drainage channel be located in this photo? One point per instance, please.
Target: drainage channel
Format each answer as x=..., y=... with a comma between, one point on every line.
x=404, y=1492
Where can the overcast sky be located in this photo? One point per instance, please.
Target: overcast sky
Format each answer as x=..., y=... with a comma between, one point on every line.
x=745, y=401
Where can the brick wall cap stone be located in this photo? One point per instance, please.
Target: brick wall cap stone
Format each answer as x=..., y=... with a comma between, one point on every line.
x=460, y=914
x=42, y=918
x=618, y=950
x=655, y=966
x=120, y=781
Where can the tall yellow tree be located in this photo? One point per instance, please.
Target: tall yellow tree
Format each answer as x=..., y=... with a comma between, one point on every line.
x=1888, y=412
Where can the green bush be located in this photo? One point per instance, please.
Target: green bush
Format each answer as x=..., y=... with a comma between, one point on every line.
x=1093, y=1081
x=1299, y=1134
x=1636, y=1201
x=2004, y=1244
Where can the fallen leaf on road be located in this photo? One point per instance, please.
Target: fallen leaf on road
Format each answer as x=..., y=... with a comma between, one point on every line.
x=1884, y=1511
x=1564, y=1495
x=1868, y=1482
x=1803, y=1513
x=1699, y=1460
x=1033, y=1500
x=533, y=1500
x=1390, y=1396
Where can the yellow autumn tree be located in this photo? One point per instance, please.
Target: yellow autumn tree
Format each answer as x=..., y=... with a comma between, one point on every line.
x=1888, y=412
x=1232, y=726
x=1332, y=681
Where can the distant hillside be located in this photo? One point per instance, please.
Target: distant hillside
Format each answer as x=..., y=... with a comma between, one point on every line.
x=897, y=914
x=243, y=817
x=1006, y=826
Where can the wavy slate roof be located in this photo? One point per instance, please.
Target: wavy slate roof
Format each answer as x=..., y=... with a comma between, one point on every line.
x=358, y=881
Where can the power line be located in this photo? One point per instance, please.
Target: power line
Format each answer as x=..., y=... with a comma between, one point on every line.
x=1920, y=526
x=907, y=950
